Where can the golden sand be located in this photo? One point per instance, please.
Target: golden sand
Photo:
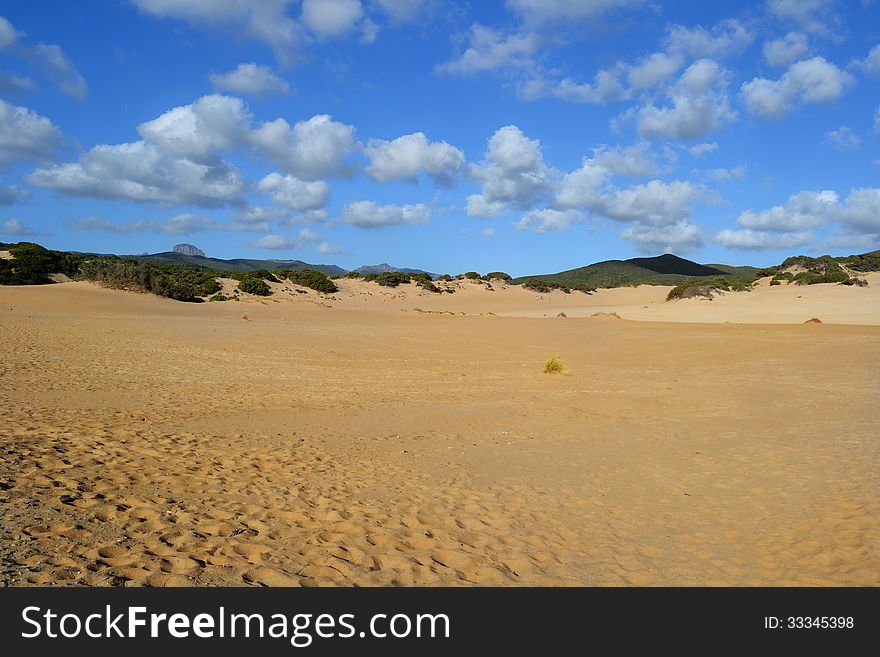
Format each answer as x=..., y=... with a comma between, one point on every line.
x=353, y=439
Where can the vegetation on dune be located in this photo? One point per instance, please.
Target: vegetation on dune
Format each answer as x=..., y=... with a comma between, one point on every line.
x=499, y=275
x=554, y=365
x=543, y=286
x=354, y=274
x=32, y=264
x=310, y=278
x=179, y=283
x=700, y=287
x=395, y=278
x=444, y=277
x=863, y=262
x=472, y=275
x=254, y=285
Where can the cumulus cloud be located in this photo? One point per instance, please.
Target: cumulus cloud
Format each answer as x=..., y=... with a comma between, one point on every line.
x=367, y=214
x=802, y=211
x=513, y=174
x=548, y=220
x=815, y=16
x=722, y=174
x=681, y=237
x=10, y=194
x=637, y=160
x=655, y=203
x=809, y=81
x=139, y=171
x=785, y=50
x=8, y=34
x=199, y=130
x=490, y=49
x=286, y=242
x=329, y=19
x=266, y=21
x=699, y=150
x=406, y=11
x=49, y=58
x=330, y=249
x=309, y=150
x=26, y=135
x=543, y=12
x=15, y=226
x=56, y=67
x=14, y=85
x=250, y=80
x=699, y=105
x=871, y=63
x=294, y=193
x=843, y=139
x=758, y=240
x=727, y=38
x=182, y=224
x=407, y=156
x=791, y=224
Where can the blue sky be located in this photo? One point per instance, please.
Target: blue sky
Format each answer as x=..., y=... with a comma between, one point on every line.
x=527, y=136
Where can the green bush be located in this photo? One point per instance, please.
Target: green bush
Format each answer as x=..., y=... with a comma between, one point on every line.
x=391, y=278
x=254, y=285
x=444, y=277
x=354, y=274
x=221, y=297
x=311, y=279
x=499, y=275
x=554, y=365
x=775, y=281
x=543, y=286
x=472, y=275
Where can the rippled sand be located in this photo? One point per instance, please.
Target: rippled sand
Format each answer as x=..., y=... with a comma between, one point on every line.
x=151, y=442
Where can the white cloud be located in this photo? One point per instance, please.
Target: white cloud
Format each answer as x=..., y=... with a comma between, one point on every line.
x=756, y=240
x=295, y=194
x=266, y=21
x=638, y=160
x=699, y=105
x=10, y=194
x=548, y=220
x=582, y=187
x=843, y=139
x=861, y=211
x=727, y=38
x=328, y=19
x=871, y=63
x=286, y=242
x=139, y=171
x=809, y=81
x=722, y=174
x=785, y=50
x=815, y=16
x=250, y=80
x=407, y=156
x=406, y=11
x=15, y=226
x=57, y=67
x=488, y=232
x=877, y=121
x=802, y=211
x=513, y=174
x=491, y=50
x=199, y=130
x=655, y=203
x=367, y=214
x=15, y=85
x=327, y=248
x=48, y=57
x=699, y=150
x=26, y=135
x=182, y=224
x=541, y=12
x=310, y=150
x=8, y=34
x=681, y=237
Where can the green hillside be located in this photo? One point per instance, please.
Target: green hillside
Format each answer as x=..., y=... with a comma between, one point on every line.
x=666, y=269
x=233, y=265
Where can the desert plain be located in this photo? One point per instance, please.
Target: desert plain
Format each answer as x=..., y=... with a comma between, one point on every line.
x=397, y=437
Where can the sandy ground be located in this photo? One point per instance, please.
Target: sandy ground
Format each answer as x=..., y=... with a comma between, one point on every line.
x=146, y=441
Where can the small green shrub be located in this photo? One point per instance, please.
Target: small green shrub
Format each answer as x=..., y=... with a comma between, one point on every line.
x=254, y=285
x=472, y=275
x=444, y=277
x=500, y=275
x=312, y=279
x=221, y=297
x=554, y=365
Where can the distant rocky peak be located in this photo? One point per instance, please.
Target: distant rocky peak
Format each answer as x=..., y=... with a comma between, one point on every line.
x=188, y=249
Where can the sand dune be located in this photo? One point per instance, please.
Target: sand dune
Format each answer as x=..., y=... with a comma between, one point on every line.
x=354, y=440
